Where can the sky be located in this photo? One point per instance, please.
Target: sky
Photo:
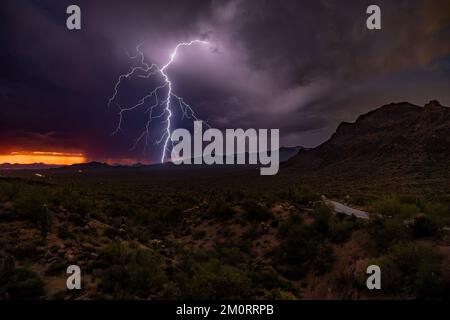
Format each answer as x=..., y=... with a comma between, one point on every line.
x=299, y=66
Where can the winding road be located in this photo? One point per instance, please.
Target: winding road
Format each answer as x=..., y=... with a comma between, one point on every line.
x=342, y=208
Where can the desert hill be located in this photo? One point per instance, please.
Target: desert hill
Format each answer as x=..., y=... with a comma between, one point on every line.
x=399, y=145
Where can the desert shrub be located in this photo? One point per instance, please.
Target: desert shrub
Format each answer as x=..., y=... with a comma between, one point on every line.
x=323, y=258
x=170, y=217
x=277, y=294
x=170, y=291
x=84, y=206
x=44, y=222
x=56, y=196
x=437, y=212
x=142, y=216
x=56, y=268
x=8, y=190
x=76, y=202
x=214, y=280
x=111, y=232
x=116, y=253
x=244, y=244
x=392, y=207
x=19, y=283
x=346, y=279
x=414, y=270
x=220, y=210
x=302, y=195
x=116, y=209
x=32, y=205
x=64, y=232
x=198, y=234
x=306, y=246
x=25, y=250
x=232, y=255
x=226, y=232
x=233, y=195
x=145, y=274
x=411, y=199
x=131, y=271
x=341, y=229
x=256, y=212
x=269, y=279
x=302, y=249
x=76, y=219
x=160, y=221
x=293, y=220
x=361, y=199
x=384, y=233
x=424, y=226
x=322, y=216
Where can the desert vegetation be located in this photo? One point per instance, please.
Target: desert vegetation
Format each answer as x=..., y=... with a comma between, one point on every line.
x=152, y=241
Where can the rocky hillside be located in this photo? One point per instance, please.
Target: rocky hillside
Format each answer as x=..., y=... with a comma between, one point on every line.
x=399, y=144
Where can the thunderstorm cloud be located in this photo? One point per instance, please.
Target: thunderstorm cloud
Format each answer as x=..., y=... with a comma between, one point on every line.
x=300, y=66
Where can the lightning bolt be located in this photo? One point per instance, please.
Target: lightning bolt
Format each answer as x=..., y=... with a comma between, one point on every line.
x=145, y=70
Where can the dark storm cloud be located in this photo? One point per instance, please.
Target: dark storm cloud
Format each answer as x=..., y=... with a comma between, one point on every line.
x=301, y=66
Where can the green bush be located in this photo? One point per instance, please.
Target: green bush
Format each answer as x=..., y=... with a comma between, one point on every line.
x=8, y=190
x=392, y=207
x=439, y=213
x=232, y=256
x=411, y=199
x=25, y=251
x=142, y=216
x=220, y=210
x=76, y=219
x=83, y=207
x=214, y=280
x=304, y=248
x=294, y=220
x=171, y=217
x=131, y=272
x=269, y=279
x=44, y=222
x=117, y=209
x=303, y=195
x=322, y=216
x=414, y=270
x=384, y=233
x=19, y=283
x=256, y=212
x=360, y=199
x=199, y=234
x=56, y=268
x=277, y=294
x=341, y=229
x=64, y=232
x=30, y=204
x=423, y=226
x=165, y=219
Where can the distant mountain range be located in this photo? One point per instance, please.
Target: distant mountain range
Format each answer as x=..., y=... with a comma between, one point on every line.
x=34, y=166
x=285, y=154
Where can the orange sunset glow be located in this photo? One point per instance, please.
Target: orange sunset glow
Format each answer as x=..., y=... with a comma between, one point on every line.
x=58, y=158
